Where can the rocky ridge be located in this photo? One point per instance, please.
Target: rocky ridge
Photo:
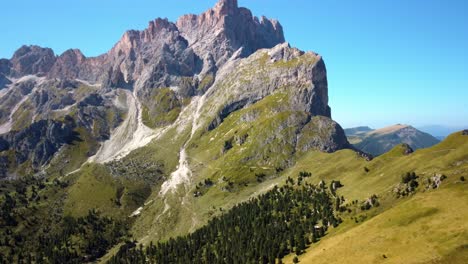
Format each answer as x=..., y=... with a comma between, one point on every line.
x=215, y=63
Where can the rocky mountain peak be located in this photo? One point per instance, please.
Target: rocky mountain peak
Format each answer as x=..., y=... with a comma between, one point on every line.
x=67, y=65
x=195, y=75
x=156, y=26
x=226, y=28
x=226, y=7
x=32, y=60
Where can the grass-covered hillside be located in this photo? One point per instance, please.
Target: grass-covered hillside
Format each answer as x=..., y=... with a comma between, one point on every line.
x=383, y=207
x=425, y=226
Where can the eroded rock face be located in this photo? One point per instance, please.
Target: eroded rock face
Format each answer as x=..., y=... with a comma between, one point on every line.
x=68, y=65
x=323, y=134
x=281, y=69
x=4, y=81
x=220, y=31
x=5, y=66
x=32, y=60
x=161, y=54
x=40, y=141
x=213, y=64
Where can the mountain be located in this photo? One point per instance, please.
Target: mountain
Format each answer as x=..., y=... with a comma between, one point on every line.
x=218, y=98
x=189, y=75
x=377, y=142
x=356, y=134
x=209, y=140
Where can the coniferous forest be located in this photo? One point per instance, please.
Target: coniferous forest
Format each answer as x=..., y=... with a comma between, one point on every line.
x=284, y=220
x=33, y=228
x=264, y=229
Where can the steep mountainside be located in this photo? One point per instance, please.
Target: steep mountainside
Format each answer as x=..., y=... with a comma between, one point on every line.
x=191, y=74
x=377, y=142
x=218, y=97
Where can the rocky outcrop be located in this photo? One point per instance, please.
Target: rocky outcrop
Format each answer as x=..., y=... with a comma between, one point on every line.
x=465, y=132
x=40, y=141
x=322, y=134
x=32, y=60
x=156, y=57
x=161, y=55
x=242, y=82
x=4, y=81
x=211, y=65
x=407, y=150
x=221, y=31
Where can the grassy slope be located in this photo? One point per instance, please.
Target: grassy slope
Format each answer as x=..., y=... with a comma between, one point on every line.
x=428, y=227
x=188, y=213
x=233, y=171
x=424, y=210
x=430, y=209
x=95, y=188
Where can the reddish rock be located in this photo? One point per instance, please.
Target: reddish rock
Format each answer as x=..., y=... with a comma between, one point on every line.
x=68, y=64
x=161, y=55
x=32, y=60
x=225, y=28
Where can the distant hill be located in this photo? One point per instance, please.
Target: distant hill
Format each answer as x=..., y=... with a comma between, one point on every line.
x=356, y=134
x=377, y=142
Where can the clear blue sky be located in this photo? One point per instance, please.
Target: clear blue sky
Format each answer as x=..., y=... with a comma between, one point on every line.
x=389, y=61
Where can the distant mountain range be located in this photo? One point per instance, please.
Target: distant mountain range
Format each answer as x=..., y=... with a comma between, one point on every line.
x=440, y=132
x=377, y=142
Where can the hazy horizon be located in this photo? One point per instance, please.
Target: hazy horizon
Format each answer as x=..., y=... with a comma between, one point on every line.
x=393, y=62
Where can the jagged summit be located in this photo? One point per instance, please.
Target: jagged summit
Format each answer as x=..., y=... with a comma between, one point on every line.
x=226, y=28
x=31, y=60
x=194, y=44
x=226, y=7
x=188, y=76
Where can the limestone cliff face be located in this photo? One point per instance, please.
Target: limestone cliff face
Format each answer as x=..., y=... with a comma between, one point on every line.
x=280, y=69
x=32, y=60
x=38, y=142
x=192, y=73
x=221, y=31
x=159, y=54
x=68, y=65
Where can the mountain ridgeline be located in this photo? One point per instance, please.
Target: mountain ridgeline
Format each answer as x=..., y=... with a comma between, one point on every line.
x=216, y=98
x=210, y=140
x=212, y=64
